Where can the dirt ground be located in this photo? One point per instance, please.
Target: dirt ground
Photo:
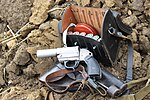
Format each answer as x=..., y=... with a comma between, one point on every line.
x=37, y=24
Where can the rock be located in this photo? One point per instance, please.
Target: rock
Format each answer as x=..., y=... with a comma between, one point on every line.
x=22, y=56
x=129, y=12
x=52, y=36
x=12, y=68
x=136, y=46
x=147, y=4
x=11, y=43
x=96, y=4
x=30, y=71
x=137, y=13
x=143, y=39
x=43, y=65
x=147, y=14
x=18, y=93
x=14, y=93
x=59, y=96
x=56, y=13
x=2, y=81
x=35, y=95
x=1, y=49
x=121, y=52
x=147, y=8
x=85, y=2
x=78, y=2
x=32, y=51
x=119, y=3
x=134, y=35
x=40, y=11
x=19, y=10
x=131, y=20
x=142, y=18
x=144, y=43
x=137, y=5
x=48, y=34
x=146, y=31
x=36, y=37
x=146, y=60
x=35, y=33
x=148, y=70
x=3, y=27
x=2, y=63
x=137, y=59
x=45, y=25
x=27, y=29
x=54, y=25
x=140, y=26
x=110, y=3
x=82, y=2
x=47, y=38
x=44, y=91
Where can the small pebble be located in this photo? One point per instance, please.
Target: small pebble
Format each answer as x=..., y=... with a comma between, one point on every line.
x=129, y=12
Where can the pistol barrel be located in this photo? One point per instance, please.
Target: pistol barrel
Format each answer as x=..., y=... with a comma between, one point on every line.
x=46, y=53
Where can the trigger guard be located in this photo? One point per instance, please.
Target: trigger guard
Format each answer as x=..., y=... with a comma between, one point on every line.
x=76, y=63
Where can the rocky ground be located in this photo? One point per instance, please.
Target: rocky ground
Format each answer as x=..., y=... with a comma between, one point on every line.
x=34, y=22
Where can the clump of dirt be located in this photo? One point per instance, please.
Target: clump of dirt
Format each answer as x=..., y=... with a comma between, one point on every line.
x=39, y=11
x=14, y=13
x=38, y=24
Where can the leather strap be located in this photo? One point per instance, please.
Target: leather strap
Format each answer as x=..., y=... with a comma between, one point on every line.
x=65, y=34
x=114, y=32
x=129, y=75
x=51, y=80
x=142, y=93
x=139, y=95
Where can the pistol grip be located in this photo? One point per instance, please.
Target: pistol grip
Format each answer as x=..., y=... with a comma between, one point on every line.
x=93, y=67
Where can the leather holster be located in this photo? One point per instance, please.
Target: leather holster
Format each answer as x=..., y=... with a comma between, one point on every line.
x=60, y=80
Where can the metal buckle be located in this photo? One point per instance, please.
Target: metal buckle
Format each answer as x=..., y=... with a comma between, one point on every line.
x=99, y=88
x=113, y=31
